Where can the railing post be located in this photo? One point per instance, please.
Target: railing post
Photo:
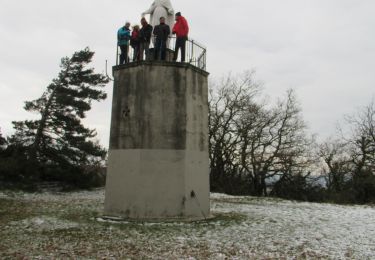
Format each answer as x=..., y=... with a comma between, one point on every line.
x=116, y=54
x=205, y=59
x=192, y=50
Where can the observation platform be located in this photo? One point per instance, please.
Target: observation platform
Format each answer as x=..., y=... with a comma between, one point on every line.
x=196, y=54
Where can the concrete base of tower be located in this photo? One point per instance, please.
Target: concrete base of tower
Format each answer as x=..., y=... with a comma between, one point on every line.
x=157, y=184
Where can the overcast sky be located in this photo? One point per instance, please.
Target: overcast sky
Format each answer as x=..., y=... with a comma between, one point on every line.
x=325, y=49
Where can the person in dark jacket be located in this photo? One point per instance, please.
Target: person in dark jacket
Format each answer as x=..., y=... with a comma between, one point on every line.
x=145, y=38
x=123, y=37
x=181, y=29
x=135, y=42
x=161, y=33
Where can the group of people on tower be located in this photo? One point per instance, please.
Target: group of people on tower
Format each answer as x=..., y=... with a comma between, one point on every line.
x=140, y=39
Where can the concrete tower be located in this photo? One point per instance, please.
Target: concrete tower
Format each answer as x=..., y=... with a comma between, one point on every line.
x=158, y=157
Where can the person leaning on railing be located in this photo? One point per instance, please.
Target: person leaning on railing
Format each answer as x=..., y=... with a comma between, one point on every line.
x=145, y=39
x=161, y=33
x=123, y=37
x=181, y=29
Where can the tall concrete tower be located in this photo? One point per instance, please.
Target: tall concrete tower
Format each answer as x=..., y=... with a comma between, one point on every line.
x=158, y=156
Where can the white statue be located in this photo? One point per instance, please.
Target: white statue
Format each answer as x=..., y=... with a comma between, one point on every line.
x=160, y=8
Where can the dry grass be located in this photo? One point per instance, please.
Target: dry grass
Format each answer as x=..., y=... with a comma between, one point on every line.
x=50, y=226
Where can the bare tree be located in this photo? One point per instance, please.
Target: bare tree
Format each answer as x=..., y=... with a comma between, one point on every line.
x=227, y=101
x=273, y=142
x=251, y=141
x=361, y=141
x=336, y=166
x=349, y=161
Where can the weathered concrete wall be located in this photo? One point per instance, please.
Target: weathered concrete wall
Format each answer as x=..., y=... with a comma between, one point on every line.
x=158, y=158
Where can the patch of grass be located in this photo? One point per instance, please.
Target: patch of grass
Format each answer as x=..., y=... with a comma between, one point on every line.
x=219, y=220
x=65, y=226
x=227, y=218
x=18, y=187
x=247, y=200
x=80, y=216
x=14, y=210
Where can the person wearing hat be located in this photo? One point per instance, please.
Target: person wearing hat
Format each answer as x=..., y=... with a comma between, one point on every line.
x=123, y=37
x=181, y=29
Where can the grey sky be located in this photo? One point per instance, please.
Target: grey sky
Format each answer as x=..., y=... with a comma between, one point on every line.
x=325, y=49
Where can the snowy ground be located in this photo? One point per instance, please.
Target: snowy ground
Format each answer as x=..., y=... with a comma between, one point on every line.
x=50, y=226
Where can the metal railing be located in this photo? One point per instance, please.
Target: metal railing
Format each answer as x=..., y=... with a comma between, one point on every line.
x=195, y=53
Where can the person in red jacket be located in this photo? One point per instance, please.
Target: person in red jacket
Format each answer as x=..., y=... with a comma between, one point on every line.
x=181, y=29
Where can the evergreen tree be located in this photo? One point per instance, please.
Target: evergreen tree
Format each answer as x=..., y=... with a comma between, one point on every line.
x=58, y=140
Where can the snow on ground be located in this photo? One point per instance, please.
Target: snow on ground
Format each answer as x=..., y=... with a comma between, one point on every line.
x=65, y=225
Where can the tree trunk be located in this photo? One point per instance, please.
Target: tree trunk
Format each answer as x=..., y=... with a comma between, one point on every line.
x=41, y=127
